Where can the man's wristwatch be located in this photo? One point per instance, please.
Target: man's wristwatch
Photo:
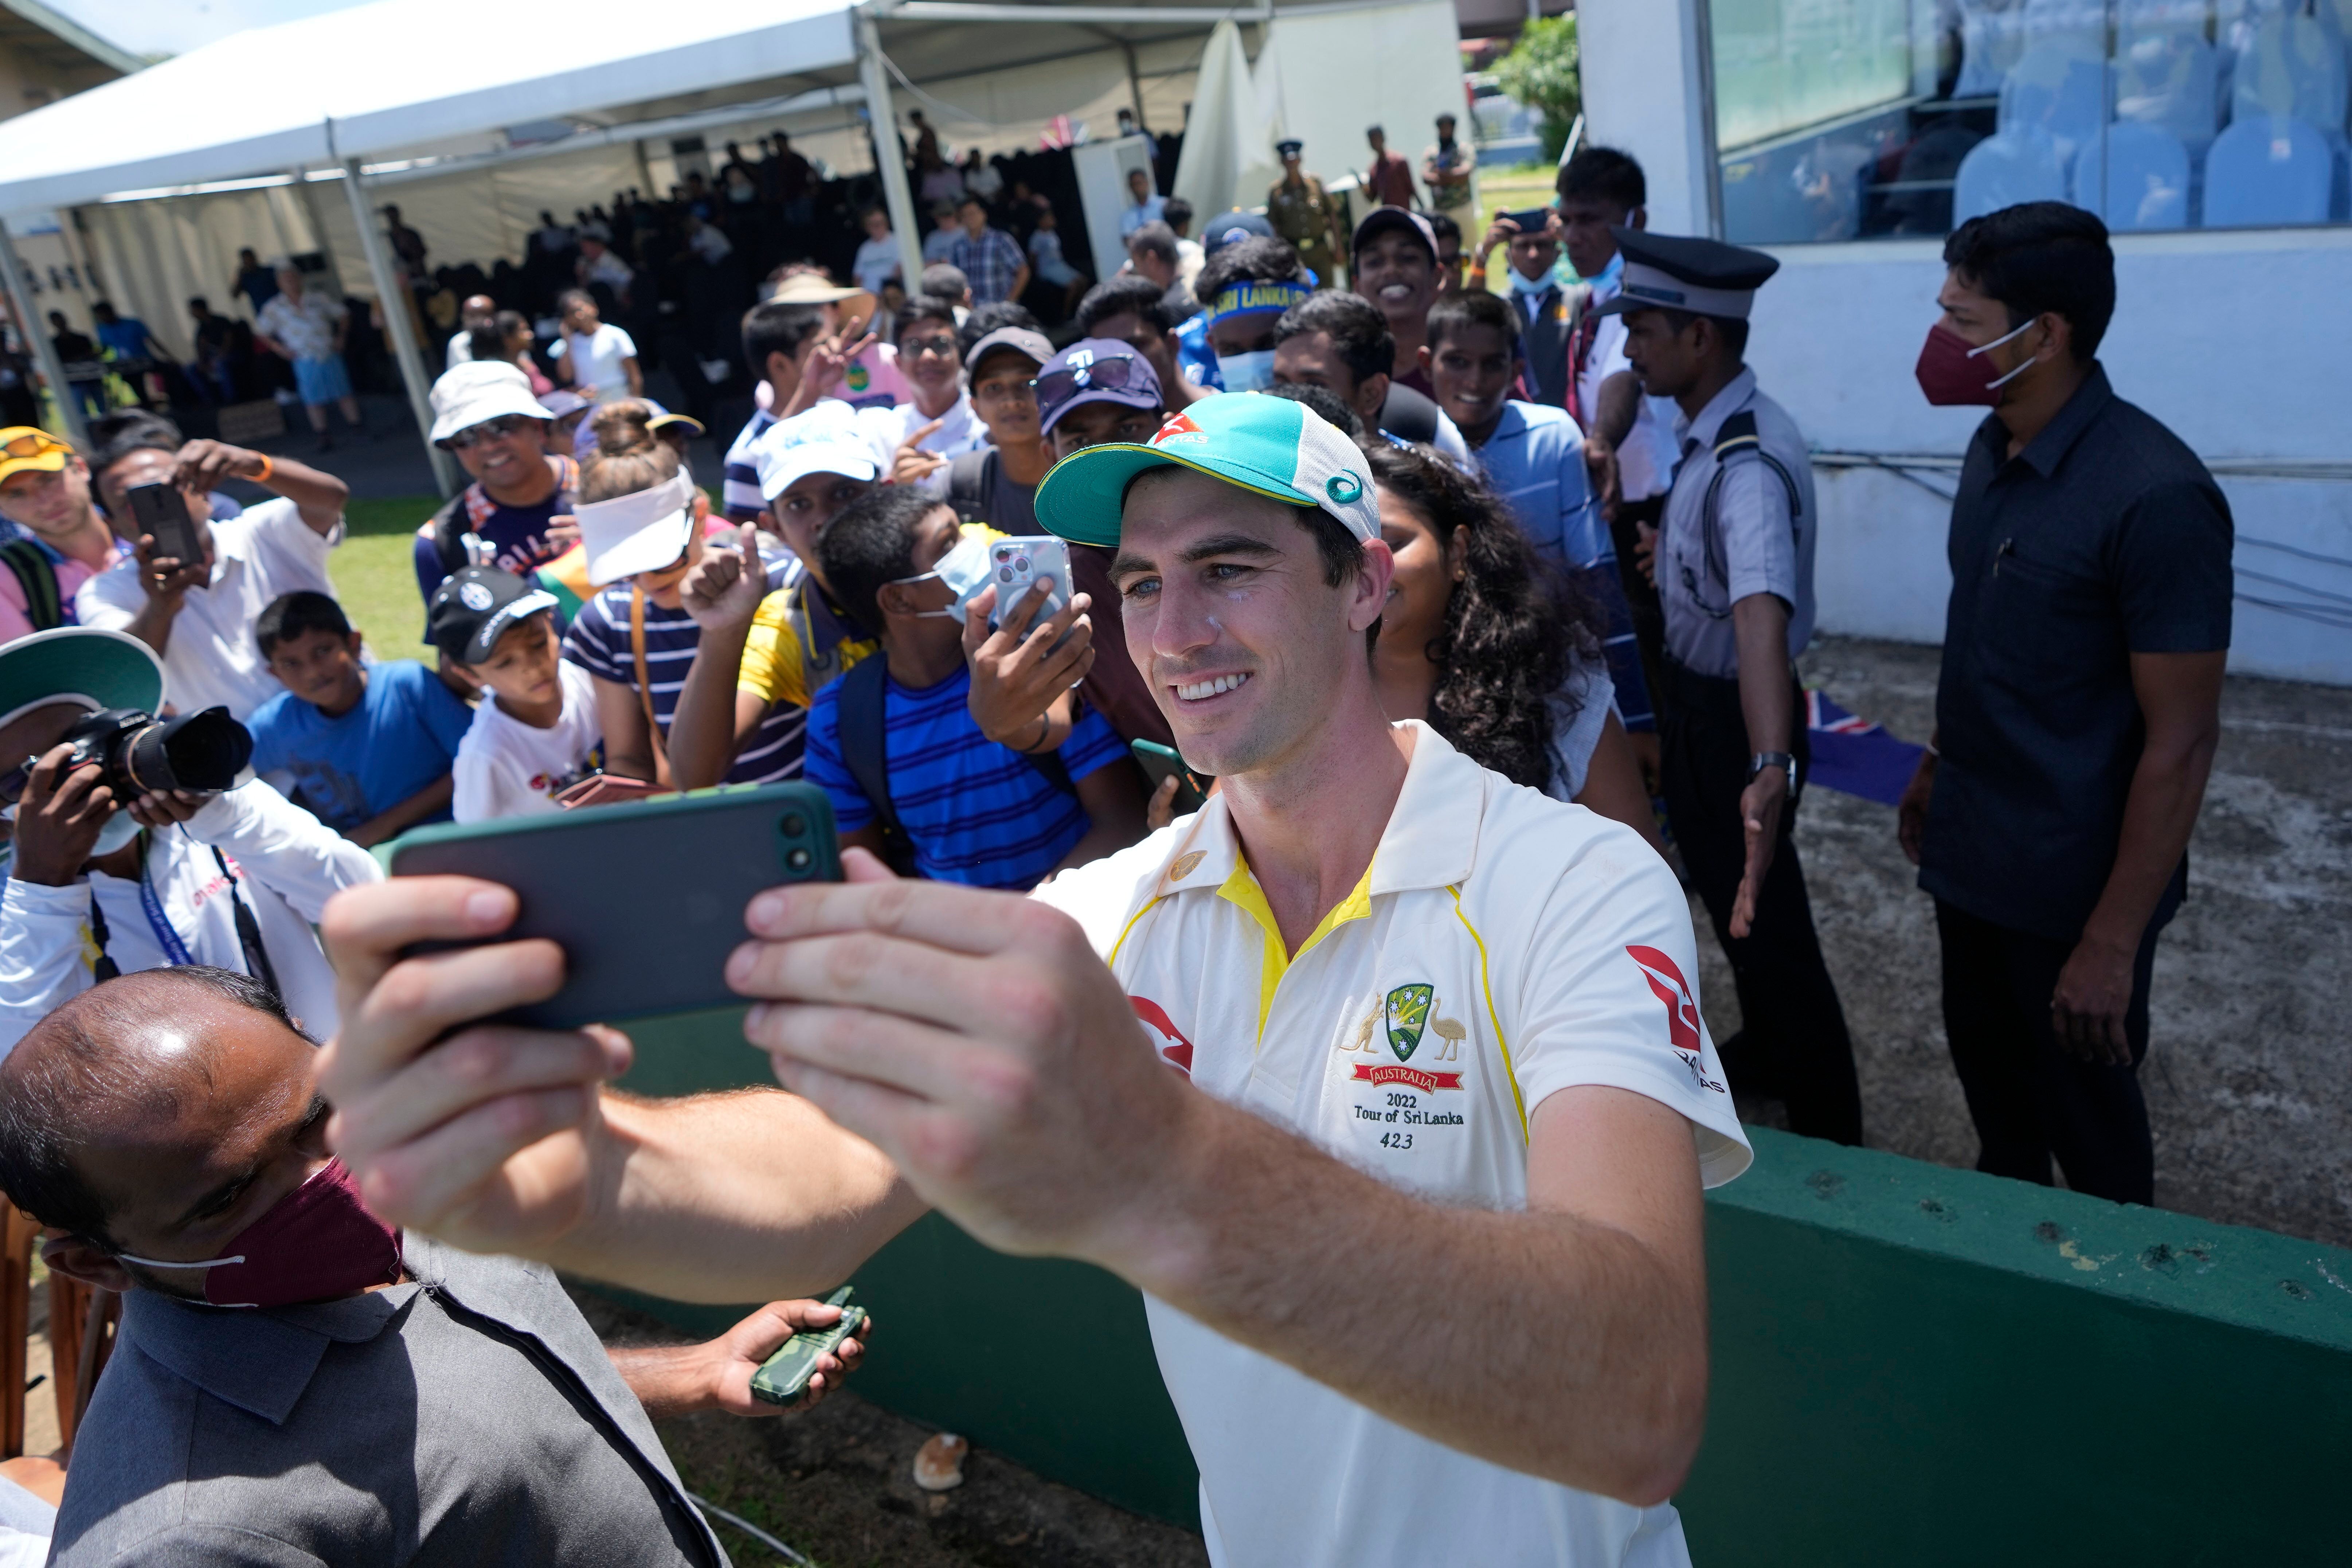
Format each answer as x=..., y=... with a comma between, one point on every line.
x=1762, y=760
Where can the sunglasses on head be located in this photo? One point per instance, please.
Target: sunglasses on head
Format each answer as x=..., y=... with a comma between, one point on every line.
x=505, y=425
x=33, y=445
x=1112, y=372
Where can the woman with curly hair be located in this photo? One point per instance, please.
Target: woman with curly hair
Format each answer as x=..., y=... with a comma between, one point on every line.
x=1489, y=645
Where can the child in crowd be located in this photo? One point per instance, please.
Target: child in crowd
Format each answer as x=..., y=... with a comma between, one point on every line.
x=930, y=789
x=369, y=746
x=535, y=733
x=1533, y=456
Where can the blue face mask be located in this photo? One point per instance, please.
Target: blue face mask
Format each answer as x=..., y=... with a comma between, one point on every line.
x=1251, y=372
x=1523, y=284
x=1613, y=272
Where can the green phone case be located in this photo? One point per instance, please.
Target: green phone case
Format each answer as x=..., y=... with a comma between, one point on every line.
x=784, y=1377
x=645, y=898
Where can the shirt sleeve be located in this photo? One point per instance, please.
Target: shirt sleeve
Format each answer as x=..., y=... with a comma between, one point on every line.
x=2175, y=583
x=590, y=645
x=268, y=727
x=473, y=793
x=44, y=954
x=1092, y=745
x=823, y=765
x=282, y=847
x=298, y=552
x=111, y=600
x=1759, y=546
x=443, y=713
x=1606, y=992
x=625, y=344
x=772, y=670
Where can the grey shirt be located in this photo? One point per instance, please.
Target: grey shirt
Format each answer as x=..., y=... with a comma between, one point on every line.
x=470, y=1417
x=1747, y=542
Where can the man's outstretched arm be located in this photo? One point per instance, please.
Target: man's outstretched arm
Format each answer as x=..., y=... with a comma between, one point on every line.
x=501, y=1139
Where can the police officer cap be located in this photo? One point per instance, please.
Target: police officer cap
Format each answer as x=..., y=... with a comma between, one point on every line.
x=1288, y=145
x=1680, y=272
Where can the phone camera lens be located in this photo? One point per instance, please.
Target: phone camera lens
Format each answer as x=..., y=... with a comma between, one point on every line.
x=799, y=860
x=795, y=825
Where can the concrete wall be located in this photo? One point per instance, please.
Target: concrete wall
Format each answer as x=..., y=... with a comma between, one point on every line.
x=2235, y=340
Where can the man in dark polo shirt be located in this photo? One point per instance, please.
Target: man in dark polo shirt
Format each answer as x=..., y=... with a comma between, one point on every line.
x=296, y=1382
x=2077, y=709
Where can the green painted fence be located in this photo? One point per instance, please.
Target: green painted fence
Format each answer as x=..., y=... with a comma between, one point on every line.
x=1911, y=1364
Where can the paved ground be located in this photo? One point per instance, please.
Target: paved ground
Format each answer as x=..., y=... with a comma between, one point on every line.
x=2253, y=980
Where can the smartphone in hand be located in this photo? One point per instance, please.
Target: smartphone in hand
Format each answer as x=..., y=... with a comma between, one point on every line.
x=1016, y=564
x=162, y=512
x=1161, y=763
x=1530, y=220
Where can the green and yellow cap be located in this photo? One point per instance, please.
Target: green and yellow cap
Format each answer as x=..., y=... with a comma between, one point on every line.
x=1268, y=445
x=92, y=666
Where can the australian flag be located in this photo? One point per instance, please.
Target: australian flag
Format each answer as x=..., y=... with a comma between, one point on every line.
x=1854, y=754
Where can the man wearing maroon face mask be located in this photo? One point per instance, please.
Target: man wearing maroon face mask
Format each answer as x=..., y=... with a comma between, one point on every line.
x=384, y=1398
x=2078, y=706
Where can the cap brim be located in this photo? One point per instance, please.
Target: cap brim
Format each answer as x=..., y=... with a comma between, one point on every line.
x=650, y=549
x=1122, y=397
x=49, y=462
x=1081, y=497
x=496, y=403
x=849, y=461
x=485, y=640
x=87, y=664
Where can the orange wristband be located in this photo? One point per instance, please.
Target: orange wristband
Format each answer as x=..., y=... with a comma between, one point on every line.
x=267, y=468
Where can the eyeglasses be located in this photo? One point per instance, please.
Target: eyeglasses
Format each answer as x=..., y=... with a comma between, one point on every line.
x=939, y=343
x=1112, y=372
x=498, y=429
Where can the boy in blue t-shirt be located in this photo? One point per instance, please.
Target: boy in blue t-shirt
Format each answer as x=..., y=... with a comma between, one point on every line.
x=369, y=746
x=971, y=810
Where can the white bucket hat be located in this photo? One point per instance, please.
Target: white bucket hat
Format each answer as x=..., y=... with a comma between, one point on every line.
x=477, y=391
x=643, y=532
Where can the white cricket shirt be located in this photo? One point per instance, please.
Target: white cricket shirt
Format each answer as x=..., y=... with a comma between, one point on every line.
x=1502, y=946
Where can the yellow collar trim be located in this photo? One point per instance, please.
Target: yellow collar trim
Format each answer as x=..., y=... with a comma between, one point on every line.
x=1241, y=890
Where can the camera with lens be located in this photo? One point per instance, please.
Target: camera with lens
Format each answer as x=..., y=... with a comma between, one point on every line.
x=139, y=754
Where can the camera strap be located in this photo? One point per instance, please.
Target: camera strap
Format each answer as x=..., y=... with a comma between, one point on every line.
x=103, y=967
x=175, y=951
x=248, y=930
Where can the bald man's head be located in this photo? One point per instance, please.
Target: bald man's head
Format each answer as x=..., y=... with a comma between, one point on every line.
x=113, y=1106
x=477, y=309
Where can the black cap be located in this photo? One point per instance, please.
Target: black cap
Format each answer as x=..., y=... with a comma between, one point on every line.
x=1683, y=273
x=1288, y=145
x=473, y=608
x=1226, y=227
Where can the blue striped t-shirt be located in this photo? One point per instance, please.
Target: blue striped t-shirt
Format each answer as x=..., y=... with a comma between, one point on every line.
x=598, y=643
x=740, y=480
x=976, y=811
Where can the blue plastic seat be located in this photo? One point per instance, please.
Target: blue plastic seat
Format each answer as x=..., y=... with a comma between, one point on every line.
x=2267, y=170
x=2289, y=65
x=2136, y=177
x=2166, y=77
x=2005, y=169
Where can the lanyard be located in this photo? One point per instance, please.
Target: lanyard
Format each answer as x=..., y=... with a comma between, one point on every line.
x=175, y=951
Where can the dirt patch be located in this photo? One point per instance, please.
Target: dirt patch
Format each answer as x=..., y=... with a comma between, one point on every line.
x=836, y=1484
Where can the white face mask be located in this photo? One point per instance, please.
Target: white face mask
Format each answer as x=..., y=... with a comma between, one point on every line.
x=1522, y=284
x=965, y=570
x=1251, y=372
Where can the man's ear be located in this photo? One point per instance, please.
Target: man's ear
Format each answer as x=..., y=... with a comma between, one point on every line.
x=86, y=1262
x=1372, y=580
x=1420, y=355
x=354, y=641
x=1638, y=218
x=2057, y=336
x=1371, y=397
x=891, y=599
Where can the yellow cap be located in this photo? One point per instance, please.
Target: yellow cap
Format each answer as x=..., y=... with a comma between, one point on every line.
x=25, y=447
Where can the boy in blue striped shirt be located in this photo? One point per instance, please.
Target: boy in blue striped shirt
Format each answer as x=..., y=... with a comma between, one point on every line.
x=969, y=810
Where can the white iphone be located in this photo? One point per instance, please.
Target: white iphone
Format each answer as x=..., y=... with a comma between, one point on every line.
x=1017, y=563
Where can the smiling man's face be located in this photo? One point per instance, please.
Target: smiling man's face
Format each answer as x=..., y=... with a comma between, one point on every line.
x=1394, y=271
x=1230, y=617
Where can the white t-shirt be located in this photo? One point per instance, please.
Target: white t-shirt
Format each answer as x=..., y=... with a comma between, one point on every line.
x=461, y=350
x=505, y=767
x=210, y=656
x=960, y=428
x=1645, y=458
x=876, y=264
x=287, y=864
x=1502, y=947
x=597, y=370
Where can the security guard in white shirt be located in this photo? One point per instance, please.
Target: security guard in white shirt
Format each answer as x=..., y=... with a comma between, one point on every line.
x=1406, y=1149
x=1734, y=569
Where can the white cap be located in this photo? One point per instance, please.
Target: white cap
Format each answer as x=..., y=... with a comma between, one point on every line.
x=830, y=438
x=642, y=531
x=480, y=390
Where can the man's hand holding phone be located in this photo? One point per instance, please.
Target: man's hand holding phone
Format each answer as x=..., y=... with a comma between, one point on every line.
x=1016, y=680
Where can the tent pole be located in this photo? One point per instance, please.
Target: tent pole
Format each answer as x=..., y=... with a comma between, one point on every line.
x=391, y=297
x=53, y=369
x=882, y=117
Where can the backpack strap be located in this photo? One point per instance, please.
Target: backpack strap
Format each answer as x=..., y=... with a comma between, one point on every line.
x=644, y=683
x=966, y=476
x=248, y=928
x=44, y=605
x=862, y=726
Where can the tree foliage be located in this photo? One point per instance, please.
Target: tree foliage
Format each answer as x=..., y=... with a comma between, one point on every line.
x=1543, y=72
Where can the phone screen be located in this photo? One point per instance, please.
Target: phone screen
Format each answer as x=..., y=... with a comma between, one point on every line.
x=162, y=510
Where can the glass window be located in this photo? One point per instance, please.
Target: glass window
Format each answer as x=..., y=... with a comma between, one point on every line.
x=1839, y=119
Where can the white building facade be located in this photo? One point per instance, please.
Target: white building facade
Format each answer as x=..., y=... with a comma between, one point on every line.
x=1844, y=135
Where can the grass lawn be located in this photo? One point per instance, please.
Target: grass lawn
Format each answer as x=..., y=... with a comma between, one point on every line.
x=376, y=575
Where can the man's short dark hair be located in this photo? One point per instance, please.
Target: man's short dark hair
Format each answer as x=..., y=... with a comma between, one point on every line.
x=773, y=327
x=1120, y=296
x=1375, y=130
x=972, y=200
x=1358, y=333
x=925, y=307
x=1257, y=259
x=994, y=316
x=46, y=1093
x=198, y=302
x=1604, y=174
x=1471, y=308
x=870, y=543
x=1342, y=553
x=1321, y=399
x=571, y=297
x=1154, y=239
x=1445, y=227
x=945, y=282
x=114, y=436
x=1178, y=212
x=291, y=616
x=2040, y=256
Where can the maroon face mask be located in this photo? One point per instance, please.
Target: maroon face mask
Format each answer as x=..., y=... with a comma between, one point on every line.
x=1950, y=374
x=315, y=1244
